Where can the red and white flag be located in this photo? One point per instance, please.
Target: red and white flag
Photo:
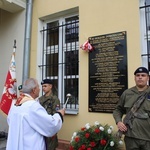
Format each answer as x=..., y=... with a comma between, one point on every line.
x=10, y=87
x=87, y=46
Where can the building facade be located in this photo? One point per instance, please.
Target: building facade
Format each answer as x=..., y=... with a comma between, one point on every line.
x=57, y=34
x=59, y=30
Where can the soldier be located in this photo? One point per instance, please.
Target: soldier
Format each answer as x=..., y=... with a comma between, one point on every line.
x=51, y=103
x=137, y=134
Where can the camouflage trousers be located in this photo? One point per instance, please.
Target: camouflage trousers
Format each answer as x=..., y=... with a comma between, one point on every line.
x=52, y=142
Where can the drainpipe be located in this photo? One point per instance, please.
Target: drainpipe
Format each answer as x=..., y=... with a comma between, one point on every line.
x=27, y=40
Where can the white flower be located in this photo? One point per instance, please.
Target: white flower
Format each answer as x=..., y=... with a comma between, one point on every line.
x=101, y=128
x=74, y=134
x=121, y=142
x=96, y=123
x=112, y=143
x=72, y=138
x=111, y=127
x=109, y=131
x=87, y=126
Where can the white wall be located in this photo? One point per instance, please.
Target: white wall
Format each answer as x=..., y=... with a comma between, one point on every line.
x=12, y=28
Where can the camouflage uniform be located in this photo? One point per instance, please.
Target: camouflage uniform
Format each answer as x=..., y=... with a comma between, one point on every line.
x=140, y=126
x=51, y=103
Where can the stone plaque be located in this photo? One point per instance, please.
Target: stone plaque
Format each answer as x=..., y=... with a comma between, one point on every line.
x=107, y=71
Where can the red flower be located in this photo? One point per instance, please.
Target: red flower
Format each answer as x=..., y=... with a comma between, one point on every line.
x=71, y=148
x=92, y=144
x=103, y=142
x=89, y=148
x=83, y=128
x=87, y=135
x=77, y=139
x=97, y=130
x=83, y=146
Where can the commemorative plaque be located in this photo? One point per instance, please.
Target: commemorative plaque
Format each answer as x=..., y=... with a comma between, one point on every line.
x=107, y=71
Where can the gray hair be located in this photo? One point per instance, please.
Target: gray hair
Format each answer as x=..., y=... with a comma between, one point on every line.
x=29, y=85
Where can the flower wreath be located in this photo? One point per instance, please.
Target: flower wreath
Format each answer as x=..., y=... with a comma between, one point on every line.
x=95, y=137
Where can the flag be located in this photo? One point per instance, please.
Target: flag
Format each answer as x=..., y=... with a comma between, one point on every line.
x=87, y=46
x=10, y=88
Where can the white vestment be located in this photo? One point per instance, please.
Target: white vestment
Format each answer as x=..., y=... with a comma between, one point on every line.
x=28, y=124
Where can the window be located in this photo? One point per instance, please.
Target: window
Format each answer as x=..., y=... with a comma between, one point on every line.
x=145, y=31
x=60, y=60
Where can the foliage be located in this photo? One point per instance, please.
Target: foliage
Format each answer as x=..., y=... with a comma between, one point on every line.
x=95, y=137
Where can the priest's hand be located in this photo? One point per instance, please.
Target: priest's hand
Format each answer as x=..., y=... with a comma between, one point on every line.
x=62, y=111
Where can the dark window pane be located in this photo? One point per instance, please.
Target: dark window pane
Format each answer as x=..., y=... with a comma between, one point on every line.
x=72, y=29
x=71, y=86
x=52, y=33
x=71, y=61
x=52, y=64
x=55, y=86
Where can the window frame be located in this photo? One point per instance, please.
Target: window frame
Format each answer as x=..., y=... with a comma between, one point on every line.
x=71, y=110
x=145, y=38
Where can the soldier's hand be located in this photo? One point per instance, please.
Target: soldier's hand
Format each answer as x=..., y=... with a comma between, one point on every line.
x=62, y=111
x=121, y=126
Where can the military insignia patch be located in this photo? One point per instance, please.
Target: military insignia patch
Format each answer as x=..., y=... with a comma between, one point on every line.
x=148, y=97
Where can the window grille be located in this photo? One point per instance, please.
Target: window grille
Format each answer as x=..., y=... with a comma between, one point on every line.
x=145, y=32
x=60, y=58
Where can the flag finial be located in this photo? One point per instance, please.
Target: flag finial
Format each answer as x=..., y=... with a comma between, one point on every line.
x=14, y=43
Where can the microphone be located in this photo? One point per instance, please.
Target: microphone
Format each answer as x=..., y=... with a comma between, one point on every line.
x=68, y=96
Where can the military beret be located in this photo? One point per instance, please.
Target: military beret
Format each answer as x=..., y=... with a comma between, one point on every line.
x=46, y=81
x=141, y=70
x=20, y=87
